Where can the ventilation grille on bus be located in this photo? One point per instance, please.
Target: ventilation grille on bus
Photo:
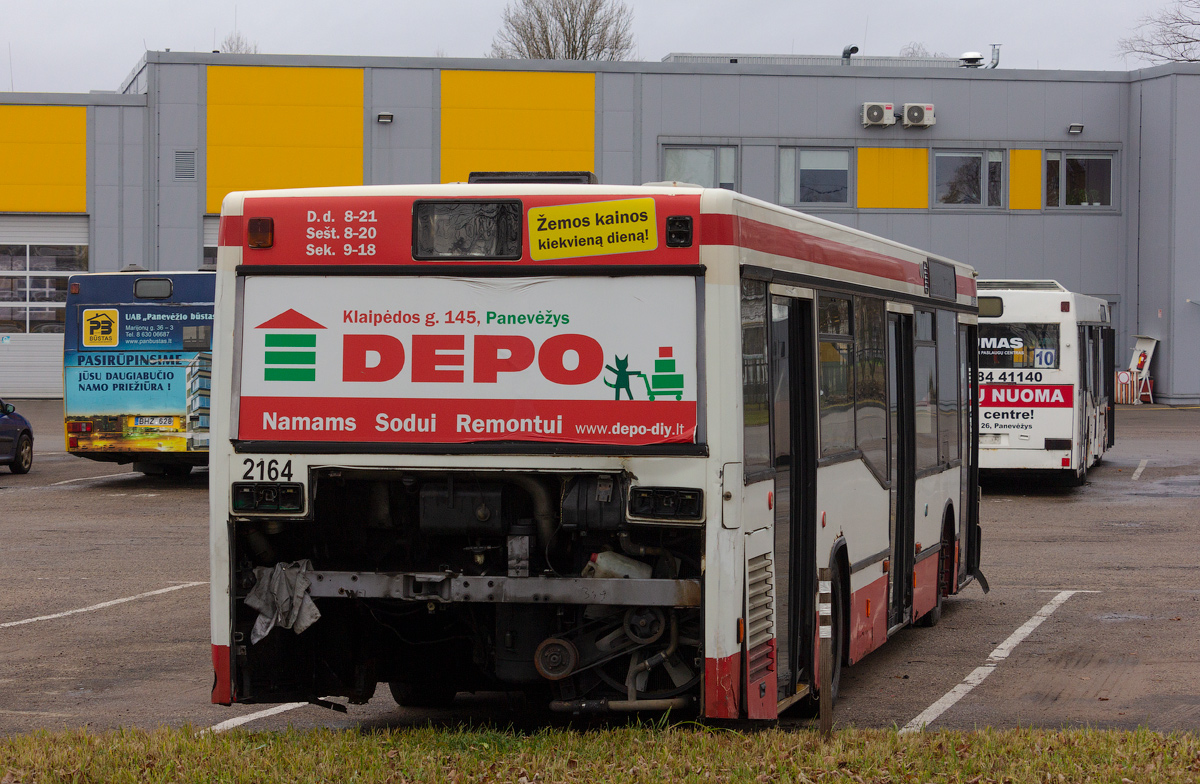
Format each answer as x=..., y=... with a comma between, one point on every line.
x=760, y=616
x=185, y=164
x=1019, y=285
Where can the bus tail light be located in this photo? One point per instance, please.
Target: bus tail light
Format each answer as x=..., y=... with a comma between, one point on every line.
x=260, y=232
x=669, y=503
x=1065, y=307
x=74, y=287
x=73, y=443
x=79, y=427
x=267, y=497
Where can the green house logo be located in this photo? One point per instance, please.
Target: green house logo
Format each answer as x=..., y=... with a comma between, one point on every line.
x=291, y=347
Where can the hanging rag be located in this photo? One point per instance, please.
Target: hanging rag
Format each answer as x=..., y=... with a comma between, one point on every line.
x=281, y=597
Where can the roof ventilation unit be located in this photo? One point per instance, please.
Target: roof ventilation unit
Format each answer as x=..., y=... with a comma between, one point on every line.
x=878, y=113
x=918, y=115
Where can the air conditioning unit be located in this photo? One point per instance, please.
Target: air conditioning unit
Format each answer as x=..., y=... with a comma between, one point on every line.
x=918, y=115
x=878, y=113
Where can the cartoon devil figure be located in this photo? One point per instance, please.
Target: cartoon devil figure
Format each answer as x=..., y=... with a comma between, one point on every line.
x=623, y=374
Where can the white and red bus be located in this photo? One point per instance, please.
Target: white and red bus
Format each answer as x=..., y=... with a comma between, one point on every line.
x=1046, y=378
x=589, y=442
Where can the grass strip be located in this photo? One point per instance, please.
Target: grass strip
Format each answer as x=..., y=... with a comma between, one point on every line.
x=628, y=754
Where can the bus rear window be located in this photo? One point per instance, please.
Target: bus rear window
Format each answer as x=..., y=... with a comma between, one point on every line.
x=1018, y=346
x=447, y=230
x=152, y=288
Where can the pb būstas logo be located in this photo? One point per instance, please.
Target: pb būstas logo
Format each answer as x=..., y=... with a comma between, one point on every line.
x=291, y=347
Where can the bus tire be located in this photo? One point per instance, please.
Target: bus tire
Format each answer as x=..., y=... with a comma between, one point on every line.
x=1080, y=479
x=838, y=633
x=23, y=457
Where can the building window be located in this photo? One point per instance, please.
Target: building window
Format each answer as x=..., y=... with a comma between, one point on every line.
x=1078, y=179
x=970, y=178
x=813, y=176
x=709, y=167
x=33, y=285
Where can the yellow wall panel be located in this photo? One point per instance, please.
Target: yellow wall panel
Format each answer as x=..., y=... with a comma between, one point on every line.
x=282, y=128
x=517, y=121
x=896, y=178
x=43, y=159
x=1025, y=179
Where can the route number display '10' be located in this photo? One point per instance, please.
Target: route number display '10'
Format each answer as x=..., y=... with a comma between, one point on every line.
x=594, y=360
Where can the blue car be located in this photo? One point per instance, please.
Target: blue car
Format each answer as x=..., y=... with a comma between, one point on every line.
x=16, y=439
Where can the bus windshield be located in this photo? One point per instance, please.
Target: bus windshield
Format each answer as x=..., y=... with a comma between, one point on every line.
x=1018, y=346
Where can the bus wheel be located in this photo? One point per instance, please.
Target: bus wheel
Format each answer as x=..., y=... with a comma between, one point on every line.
x=1080, y=479
x=23, y=459
x=838, y=632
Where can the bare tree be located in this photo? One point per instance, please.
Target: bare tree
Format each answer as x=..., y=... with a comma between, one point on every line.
x=565, y=30
x=918, y=49
x=1170, y=34
x=236, y=43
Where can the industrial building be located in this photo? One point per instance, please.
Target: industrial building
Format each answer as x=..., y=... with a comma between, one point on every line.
x=1077, y=176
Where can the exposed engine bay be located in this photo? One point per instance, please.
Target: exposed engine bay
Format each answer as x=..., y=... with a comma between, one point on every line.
x=441, y=582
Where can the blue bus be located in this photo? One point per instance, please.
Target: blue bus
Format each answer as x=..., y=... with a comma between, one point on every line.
x=137, y=367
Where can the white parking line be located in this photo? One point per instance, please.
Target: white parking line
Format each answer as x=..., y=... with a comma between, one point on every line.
x=977, y=676
x=90, y=478
x=1141, y=467
x=249, y=717
x=100, y=606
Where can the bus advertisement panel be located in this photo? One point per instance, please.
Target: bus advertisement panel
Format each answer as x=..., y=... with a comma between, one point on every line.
x=443, y=360
x=136, y=373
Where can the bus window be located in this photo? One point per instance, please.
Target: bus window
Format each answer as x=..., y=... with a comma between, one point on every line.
x=1018, y=346
x=870, y=343
x=948, y=404
x=152, y=288
x=835, y=356
x=925, y=391
x=757, y=449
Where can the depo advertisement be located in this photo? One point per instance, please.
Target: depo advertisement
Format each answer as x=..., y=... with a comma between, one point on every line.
x=576, y=359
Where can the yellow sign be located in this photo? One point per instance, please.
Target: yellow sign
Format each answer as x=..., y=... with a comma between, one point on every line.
x=595, y=229
x=101, y=327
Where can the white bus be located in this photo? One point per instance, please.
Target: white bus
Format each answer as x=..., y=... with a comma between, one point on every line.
x=1046, y=378
x=588, y=442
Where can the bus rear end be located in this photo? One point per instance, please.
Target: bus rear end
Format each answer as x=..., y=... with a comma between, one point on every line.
x=136, y=367
x=459, y=446
x=1029, y=366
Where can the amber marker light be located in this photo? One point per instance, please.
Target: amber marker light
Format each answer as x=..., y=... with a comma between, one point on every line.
x=260, y=232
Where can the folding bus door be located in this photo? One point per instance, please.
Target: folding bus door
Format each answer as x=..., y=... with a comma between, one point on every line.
x=901, y=470
x=794, y=458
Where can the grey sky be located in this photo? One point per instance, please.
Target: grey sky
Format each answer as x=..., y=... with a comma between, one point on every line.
x=78, y=45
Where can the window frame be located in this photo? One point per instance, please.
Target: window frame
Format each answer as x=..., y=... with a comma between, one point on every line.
x=796, y=150
x=24, y=281
x=665, y=148
x=984, y=155
x=1085, y=154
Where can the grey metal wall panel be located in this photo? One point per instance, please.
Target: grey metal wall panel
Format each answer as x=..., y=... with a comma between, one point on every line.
x=679, y=102
x=1026, y=255
x=1025, y=112
x=402, y=151
x=31, y=366
x=179, y=100
x=1061, y=260
x=758, y=106
x=719, y=115
x=758, y=167
x=1184, y=320
x=988, y=237
x=954, y=110
x=617, y=129
x=1153, y=258
x=949, y=235
x=800, y=107
x=1100, y=254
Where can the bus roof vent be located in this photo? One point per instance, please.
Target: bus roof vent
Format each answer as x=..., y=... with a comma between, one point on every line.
x=131, y=267
x=1019, y=285
x=551, y=177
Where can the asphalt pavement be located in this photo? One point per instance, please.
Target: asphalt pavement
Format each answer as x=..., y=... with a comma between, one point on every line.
x=1091, y=620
